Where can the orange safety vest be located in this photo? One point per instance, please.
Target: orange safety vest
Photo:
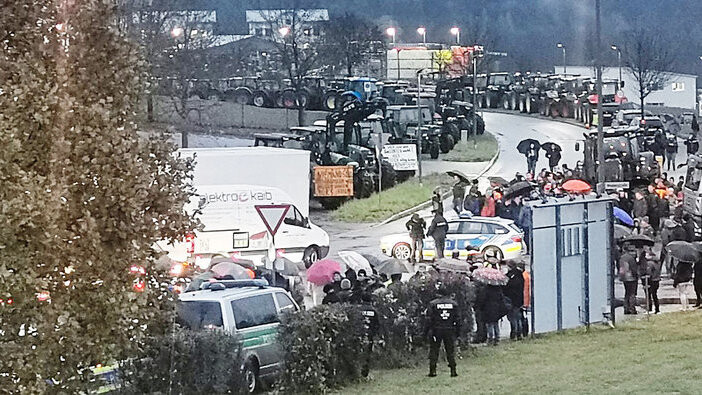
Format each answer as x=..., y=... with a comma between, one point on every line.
x=527, y=288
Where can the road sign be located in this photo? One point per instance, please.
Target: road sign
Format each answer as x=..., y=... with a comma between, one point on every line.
x=272, y=215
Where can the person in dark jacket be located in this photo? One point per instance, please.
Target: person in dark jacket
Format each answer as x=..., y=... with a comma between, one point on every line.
x=639, y=207
x=416, y=227
x=480, y=335
x=472, y=203
x=554, y=157
x=689, y=226
x=459, y=193
x=491, y=303
x=443, y=326
x=671, y=150
x=437, y=203
x=437, y=231
x=651, y=279
x=692, y=144
x=652, y=203
x=532, y=156
x=514, y=291
x=628, y=274
x=371, y=323
x=683, y=273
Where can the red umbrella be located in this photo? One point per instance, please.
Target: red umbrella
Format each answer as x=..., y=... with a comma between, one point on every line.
x=322, y=272
x=577, y=186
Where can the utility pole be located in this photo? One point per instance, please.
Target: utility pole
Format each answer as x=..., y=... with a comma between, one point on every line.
x=600, y=132
x=419, y=124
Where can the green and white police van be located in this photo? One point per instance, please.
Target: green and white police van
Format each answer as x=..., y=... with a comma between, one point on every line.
x=248, y=309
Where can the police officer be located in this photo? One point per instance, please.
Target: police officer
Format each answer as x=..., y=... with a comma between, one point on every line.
x=371, y=324
x=443, y=325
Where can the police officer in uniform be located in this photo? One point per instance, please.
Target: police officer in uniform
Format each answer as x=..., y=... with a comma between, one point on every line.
x=371, y=324
x=443, y=325
x=437, y=230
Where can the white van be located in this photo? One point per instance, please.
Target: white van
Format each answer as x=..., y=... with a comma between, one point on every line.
x=232, y=227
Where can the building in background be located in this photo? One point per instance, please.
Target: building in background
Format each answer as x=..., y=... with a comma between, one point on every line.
x=266, y=22
x=679, y=92
x=404, y=60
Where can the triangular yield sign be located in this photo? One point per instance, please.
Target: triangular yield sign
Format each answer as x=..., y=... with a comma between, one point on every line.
x=272, y=215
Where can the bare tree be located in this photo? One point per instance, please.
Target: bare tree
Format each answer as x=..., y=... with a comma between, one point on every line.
x=348, y=39
x=649, y=59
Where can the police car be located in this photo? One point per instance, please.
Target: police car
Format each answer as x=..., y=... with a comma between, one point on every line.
x=491, y=236
x=249, y=309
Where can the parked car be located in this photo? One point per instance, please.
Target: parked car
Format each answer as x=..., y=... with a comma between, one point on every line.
x=492, y=236
x=249, y=309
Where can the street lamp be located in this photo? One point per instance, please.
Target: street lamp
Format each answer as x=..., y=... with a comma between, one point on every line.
x=177, y=32
x=284, y=31
x=562, y=46
x=391, y=32
x=456, y=32
x=422, y=32
x=619, y=62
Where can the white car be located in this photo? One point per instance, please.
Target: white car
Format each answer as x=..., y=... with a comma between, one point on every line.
x=491, y=236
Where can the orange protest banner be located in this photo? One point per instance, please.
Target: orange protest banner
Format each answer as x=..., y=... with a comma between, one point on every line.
x=333, y=181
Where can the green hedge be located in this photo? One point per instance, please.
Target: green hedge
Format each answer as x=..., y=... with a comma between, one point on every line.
x=323, y=346
x=186, y=362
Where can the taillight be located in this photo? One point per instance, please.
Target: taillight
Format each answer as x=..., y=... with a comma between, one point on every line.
x=190, y=242
x=279, y=253
x=643, y=121
x=139, y=286
x=517, y=239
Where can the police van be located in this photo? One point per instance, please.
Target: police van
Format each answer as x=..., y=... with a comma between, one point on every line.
x=249, y=309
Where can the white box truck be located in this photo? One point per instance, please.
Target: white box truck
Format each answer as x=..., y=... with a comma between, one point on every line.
x=229, y=183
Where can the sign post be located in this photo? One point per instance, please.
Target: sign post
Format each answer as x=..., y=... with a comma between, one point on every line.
x=272, y=216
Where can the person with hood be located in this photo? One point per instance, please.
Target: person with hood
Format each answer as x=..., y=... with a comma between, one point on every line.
x=514, y=291
x=472, y=202
x=639, y=207
x=459, y=193
x=651, y=278
x=437, y=203
x=443, y=326
x=692, y=144
x=628, y=274
x=437, y=231
x=490, y=300
x=416, y=227
x=554, y=157
x=532, y=156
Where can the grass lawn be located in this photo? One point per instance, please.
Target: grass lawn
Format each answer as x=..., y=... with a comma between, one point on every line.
x=660, y=355
x=485, y=148
x=394, y=200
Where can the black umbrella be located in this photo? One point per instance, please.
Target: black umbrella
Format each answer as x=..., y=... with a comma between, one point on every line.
x=498, y=180
x=393, y=266
x=621, y=232
x=638, y=240
x=520, y=188
x=524, y=145
x=683, y=251
x=456, y=173
x=550, y=147
x=287, y=267
x=453, y=265
x=372, y=259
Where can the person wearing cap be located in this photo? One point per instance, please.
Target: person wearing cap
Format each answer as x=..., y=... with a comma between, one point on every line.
x=437, y=231
x=416, y=227
x=443, y=326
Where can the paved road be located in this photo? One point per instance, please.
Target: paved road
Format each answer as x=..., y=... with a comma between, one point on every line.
x=508, y=129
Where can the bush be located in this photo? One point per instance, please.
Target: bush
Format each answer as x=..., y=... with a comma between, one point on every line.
x=322, y=346
x=186, y=362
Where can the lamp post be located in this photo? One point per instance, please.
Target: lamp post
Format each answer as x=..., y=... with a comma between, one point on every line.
x=422, y=32
x=284, y=31
x=562, y=46
x=391, y=31
x=477, y=52
x=418, y=134
x=456, y=32
x=619, y=63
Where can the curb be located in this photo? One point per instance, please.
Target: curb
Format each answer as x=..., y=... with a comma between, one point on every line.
x=426, y=204
x=568, y=121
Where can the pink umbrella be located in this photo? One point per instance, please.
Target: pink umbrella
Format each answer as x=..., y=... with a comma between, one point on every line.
x=490, y=276
x=322, y=272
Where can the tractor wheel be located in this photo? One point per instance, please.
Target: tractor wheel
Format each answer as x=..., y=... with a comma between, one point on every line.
x=343, y=99
x=388, y=175
x=243, y=97
x=553, y=110
x=303, y=99
x=565, y=111
x=363, y=185
x=455, y=133
x=259, y=99
x=490, y=101
x=513, y=102
x=329, y=100
x=505, y=102
x=404, y=175
x=522, y=105
x=527, y=104
x=480, y=128
x=331, y=203
x=446, y=143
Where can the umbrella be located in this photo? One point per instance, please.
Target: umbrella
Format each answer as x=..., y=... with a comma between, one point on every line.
x=355, y=261
x=525, y=144
x=286, y=267
x=551, y=147
x=239, y=261
x=498, y=180
x=683, y=251
x=393, y=266
x=456, y=173
x=454, y=265
x=490, y=276
x=621, y=232
x=520, y=188
x=199, y=280
x=372, y=259
x=638, y=240
x=577, y=186
x=238, y=272
x=623, y=216
x=322, y=272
